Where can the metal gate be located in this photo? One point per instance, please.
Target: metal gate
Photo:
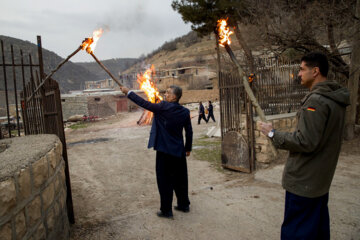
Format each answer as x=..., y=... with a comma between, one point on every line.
x=236, y=124
x=40, y=106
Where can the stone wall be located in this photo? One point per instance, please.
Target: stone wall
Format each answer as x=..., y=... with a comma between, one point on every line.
x=71, y=106
x=32, y=189
x=100, y=105
x=194, y=96
x=282, y=122
x=104, y=105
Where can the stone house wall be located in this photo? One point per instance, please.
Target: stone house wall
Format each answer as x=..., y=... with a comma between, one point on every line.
x=74, y=106
x=194, y=96
x=33, y=198
x=101, y=105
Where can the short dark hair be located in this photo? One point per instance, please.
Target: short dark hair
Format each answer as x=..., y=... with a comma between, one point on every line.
x=317, y=59
x=177, y=92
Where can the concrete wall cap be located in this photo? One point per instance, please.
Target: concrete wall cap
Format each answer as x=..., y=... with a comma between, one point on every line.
x=23, y=151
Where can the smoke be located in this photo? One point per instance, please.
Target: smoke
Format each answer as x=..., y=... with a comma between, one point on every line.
x=126, y=19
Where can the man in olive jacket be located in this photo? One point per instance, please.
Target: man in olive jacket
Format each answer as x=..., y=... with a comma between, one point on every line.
x=313, y=151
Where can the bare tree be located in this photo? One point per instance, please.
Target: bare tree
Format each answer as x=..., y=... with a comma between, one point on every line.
x=353, y=83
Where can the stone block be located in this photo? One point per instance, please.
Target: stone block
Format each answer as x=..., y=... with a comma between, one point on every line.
x=282, y=123
x=40, y=233
x=257, y=125
x=34, y=211
x=56, y=209
x=294, y=122
x=62, y=200
x=59, y=150
x=6, y=232
x=40, y=172
x=275, y=124
x=257, y=133
x=262, y=139
x=266, y=149
x=7, y=196
x=48, y=196
x=50, y=221
x=52, y=154
x=53, y=162
x=57, y=183
x=263, y=158
x=288, y=123
x=24, y=183
x=20, y=225
x=62, y=173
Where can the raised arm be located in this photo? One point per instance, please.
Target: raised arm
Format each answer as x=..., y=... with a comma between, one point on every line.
x=153, y=107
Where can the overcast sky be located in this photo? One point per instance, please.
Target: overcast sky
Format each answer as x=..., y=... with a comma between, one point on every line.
x=133, y=27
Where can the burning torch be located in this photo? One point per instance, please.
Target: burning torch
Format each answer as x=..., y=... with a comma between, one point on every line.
x=89, y=46
x=223, y=32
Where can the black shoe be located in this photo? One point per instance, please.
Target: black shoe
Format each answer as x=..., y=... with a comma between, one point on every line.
x=182, y=209
x=168, y=215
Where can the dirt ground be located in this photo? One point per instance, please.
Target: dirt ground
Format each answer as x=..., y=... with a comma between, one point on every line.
x=115, y=194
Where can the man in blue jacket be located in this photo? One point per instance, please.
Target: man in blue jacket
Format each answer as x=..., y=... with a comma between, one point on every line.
x=166, y=137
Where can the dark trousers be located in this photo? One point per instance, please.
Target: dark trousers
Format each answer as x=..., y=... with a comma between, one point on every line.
x=201, y=116
x=171, y=175
x=306, y=218
x=212, y=117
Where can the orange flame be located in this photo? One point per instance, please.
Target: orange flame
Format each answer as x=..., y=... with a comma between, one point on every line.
x=224, y=32
x=89, y=44
x=148, y=86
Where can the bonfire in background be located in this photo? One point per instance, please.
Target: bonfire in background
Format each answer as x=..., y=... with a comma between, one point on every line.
x=147, y=84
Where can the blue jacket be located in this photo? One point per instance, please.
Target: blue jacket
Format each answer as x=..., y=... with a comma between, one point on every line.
x=166, y=133
x=201, y=110
x=210, y=109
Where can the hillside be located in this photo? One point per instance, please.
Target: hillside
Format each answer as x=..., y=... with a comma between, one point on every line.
x=115, y=66
x=185, y=51
x=70, y=77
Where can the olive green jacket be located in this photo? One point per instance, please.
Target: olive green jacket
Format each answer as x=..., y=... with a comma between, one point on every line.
x=315, y=145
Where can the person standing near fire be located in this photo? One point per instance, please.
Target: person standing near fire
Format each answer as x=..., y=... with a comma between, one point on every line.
x=314, y=150
x=210, y=112
x=166, y=137
x=201, y=113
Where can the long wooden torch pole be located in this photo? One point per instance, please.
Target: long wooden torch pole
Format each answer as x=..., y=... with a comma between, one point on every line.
x=106, y=70
x=54, y=71
x=248, y=90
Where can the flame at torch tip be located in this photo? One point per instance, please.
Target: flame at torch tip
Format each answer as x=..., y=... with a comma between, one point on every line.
x=224, y=32
x=89, y=44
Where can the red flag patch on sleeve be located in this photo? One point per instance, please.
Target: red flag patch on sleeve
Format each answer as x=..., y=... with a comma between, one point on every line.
x=311, y=109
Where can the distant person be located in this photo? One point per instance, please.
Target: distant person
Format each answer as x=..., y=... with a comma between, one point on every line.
x=166, y=137
x=314, y=151
x=201, y=113
x=210, y=112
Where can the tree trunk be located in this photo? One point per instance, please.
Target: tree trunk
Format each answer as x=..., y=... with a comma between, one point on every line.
x=353, y=83
x=245, y=47
x=218, y=66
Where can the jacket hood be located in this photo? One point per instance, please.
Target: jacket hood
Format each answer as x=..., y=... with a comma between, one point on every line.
x=332, y=90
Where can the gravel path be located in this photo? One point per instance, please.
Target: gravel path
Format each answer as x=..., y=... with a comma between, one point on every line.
x=115, y=194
